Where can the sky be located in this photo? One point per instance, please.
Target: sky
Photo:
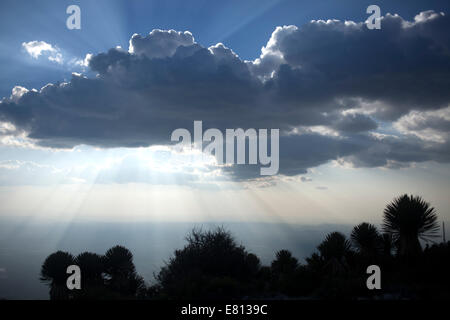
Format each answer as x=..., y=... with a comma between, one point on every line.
x=86, y=115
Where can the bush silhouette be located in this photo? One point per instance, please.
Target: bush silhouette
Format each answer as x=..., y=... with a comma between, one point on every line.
x=92, y=266
x=211, y=265
x=92, y=281
x=284, y=269
x=284, y=263
x=112, y=276
x=53, y=273
x=120, y=272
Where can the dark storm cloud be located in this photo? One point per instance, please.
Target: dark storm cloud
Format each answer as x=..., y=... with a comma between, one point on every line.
x=306, y=77
x=355, y=123
x=405, y=64
x=300, y=152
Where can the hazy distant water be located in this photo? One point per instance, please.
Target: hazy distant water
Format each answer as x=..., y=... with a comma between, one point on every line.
x=25, y=245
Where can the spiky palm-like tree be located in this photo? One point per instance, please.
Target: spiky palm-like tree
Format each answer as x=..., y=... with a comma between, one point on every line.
x=335, y=245
x=408, y=219
x=121, y=272
x=387, y=244
x=366, y=239
x=334, y=251
x=118, y=261
x=53, y=273
x=284, y=262
x=92, y=266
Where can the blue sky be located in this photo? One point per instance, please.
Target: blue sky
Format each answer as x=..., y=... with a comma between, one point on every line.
x=244, y=26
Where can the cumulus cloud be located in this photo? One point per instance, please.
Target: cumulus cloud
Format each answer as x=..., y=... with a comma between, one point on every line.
x=37, y=48
x=405, y=64
x=17, y=93
x=427, y=125
x=84, y=63
x=159, y=43
x=329, y=86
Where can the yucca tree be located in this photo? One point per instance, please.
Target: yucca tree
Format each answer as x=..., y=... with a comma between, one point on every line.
x=335, y=246
x=53, y=273
x=366, y=239
x=118, y=262
x=387, y=244
x=334, y=251
x=92, y=266
x=408, y=219
x=284, y=262
x=121, y=272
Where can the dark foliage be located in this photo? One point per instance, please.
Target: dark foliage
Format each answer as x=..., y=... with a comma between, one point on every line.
x=112, y=276
x=366, y=240
x=408, y=218
x=53, y=273
x=212, y=265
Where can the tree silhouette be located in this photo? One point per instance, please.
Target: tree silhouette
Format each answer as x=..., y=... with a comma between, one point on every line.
x=112, y=276
x=408, y=218
x=211, y=265
x=252, y=264
x=285, y=272
x=118, y=262
x=92, y=281
x=335, y=250
x=335, y=246
x=315, y=263
x=53, y=273
x=284, y=263
x=121, y=272
x=387, y=244
x=366, y=239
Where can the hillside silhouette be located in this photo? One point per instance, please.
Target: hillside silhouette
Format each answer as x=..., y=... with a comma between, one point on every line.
x=212, y=265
